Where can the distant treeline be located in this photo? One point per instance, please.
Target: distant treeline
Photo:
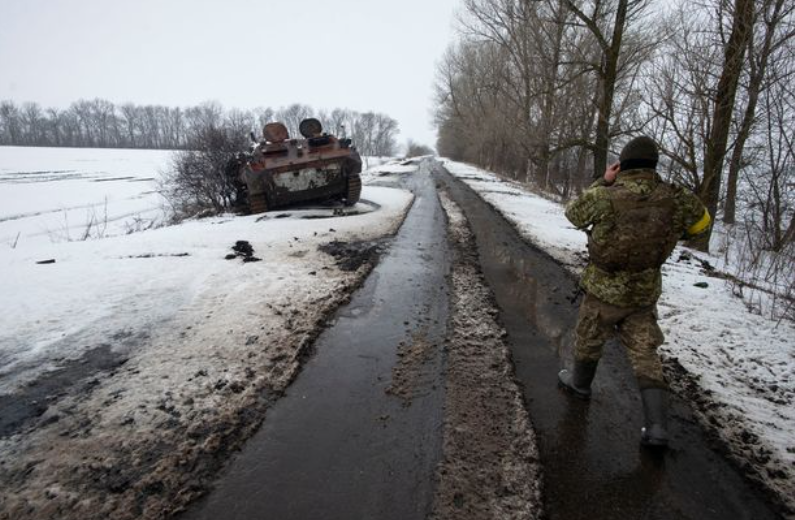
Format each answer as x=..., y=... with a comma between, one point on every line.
x=99, y=123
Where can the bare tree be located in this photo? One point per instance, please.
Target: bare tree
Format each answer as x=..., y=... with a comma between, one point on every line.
x=54, y=127
x=726, y=91
x=292, y=116
x=33, y=123
x=98, y=122
x=240, y=121
x=529, y=91
x=773, y=189
x=83, y=111
x=609, y=38
x=197, y=179
x=773, y=29
x=679, y=95
x=10, y=130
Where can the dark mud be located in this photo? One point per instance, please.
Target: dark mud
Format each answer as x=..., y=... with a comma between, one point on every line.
x=413, y=355
x=80, y=375
x=243, y=250
x=320, y=211
x=160, y=255
x=752, y=458
x=350, y=256
x=593, y=466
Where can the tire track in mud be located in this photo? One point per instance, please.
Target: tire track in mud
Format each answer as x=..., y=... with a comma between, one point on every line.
x=490, y=467
x=592, y=465
x=407, y=374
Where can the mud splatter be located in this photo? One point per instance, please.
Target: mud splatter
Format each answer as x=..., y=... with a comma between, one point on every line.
x=408, y=371
x=350, y=256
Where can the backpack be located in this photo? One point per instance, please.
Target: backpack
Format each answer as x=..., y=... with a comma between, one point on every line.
x=642, y=234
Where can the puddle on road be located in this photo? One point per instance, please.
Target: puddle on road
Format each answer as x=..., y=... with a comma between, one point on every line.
x=593, y=465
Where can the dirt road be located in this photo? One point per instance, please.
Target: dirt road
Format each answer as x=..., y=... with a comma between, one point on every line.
x=395, y=405
x=593, y=467
x=378, y=409
x=431, y=394
x=364, y=417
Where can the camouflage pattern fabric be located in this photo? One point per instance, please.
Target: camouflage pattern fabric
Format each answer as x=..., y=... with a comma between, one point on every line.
x=594, y=210
x=637, y=330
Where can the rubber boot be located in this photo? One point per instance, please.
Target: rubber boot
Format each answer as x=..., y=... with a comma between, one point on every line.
x=578, y=380
x=655, y=412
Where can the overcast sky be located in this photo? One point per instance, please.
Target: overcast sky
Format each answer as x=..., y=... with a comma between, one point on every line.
x=359, y=54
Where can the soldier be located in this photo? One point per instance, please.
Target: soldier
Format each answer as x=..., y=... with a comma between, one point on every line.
x=633, y=220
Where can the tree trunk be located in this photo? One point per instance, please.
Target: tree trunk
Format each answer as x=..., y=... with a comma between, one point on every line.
x=609, y=78
x=550, y=92
x=789, y=235
x=709, y=191
x=757, y=75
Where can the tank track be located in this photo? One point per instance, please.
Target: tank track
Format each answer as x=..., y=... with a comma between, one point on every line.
x=354, y=189
x=258, y=203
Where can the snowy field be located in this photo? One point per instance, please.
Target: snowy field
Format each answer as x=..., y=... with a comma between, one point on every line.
x=68, y=194
x=55, y=195
x=79, y=207
x=737, y=367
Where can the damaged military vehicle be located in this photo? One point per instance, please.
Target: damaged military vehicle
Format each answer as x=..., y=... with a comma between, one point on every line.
x=280, y=171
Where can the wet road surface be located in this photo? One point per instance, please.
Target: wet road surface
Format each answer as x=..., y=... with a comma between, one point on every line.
x=593, y=466
x=338, y=445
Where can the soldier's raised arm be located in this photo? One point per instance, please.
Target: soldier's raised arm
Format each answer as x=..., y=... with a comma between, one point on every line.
x=586, y=209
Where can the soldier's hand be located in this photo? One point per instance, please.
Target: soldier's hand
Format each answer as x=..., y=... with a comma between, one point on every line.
x=611, y=172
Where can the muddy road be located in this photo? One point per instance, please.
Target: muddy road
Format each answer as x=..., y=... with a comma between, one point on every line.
x=408, y=409
x=364, y=417
x=593, y=466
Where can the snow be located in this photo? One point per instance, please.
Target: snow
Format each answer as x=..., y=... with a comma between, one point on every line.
x=195, y=342
x=96, y=288
x=742, y=364
x=391, y=168
x=53, y=194
x=70, y=194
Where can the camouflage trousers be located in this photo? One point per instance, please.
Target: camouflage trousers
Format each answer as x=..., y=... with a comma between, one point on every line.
x=637, y=330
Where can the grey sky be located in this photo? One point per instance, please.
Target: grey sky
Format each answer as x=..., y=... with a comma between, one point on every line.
x=364, y=55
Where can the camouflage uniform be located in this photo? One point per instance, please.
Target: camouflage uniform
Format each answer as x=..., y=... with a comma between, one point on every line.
x=624, y=301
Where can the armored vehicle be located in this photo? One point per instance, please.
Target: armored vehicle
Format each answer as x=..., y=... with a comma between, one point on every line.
x=280, y=171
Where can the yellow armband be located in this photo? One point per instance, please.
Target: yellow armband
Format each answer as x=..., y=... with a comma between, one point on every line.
x=701, y=225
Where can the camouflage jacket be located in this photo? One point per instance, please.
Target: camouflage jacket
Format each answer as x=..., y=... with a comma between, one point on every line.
x=593, y=212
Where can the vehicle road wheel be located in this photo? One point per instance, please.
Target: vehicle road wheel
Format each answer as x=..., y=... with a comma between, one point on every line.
x=258, y=203
x=354, y=189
